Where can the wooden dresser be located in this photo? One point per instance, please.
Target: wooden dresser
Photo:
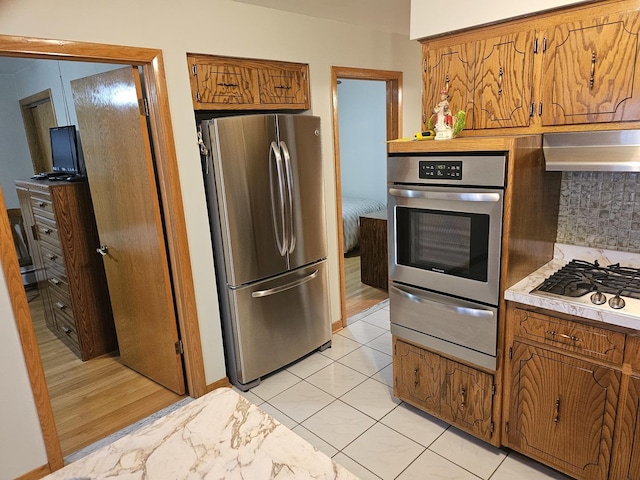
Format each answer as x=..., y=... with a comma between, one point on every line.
x=63, y=238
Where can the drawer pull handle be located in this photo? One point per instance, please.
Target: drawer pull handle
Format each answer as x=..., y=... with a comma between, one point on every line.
x=103, y=250
x=42, y=204
x=55, y=281
x=51, y=256
x=61, y=305
x=66, y=330
x=463, y=394
x=556, y=418
x=416, y=374
x=573, y=338
x=46, y=231
x=593, y=70
x=224, y=84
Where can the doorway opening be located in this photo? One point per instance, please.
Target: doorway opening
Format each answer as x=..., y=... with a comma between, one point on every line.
x=150, y=63
x=368, y=199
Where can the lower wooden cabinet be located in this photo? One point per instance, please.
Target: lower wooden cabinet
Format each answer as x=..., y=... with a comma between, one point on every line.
x=451, y=391
x=562, y=410
x=572, y=393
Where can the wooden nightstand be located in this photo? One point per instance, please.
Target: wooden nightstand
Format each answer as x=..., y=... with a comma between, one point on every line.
x=374, y=269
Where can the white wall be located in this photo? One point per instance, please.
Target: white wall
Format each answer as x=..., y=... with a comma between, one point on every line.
x=15, y=160
x=362, y=118
x=431, y=18
x=227, y=28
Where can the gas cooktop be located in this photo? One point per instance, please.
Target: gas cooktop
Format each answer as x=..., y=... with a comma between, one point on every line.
x=611, y=286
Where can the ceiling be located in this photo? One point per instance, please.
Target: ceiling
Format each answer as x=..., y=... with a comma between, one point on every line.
x=385, y=15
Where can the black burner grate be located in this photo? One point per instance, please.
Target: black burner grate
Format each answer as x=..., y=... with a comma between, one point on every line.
x=578, y=278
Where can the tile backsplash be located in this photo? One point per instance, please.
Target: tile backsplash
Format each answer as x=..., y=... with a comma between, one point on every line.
x=600, y=209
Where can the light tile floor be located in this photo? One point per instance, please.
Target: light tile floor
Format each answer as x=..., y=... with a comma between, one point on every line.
x=341, y=401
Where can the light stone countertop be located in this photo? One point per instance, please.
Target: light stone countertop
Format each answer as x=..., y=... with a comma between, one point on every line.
x=220, y=435
x=563, y=254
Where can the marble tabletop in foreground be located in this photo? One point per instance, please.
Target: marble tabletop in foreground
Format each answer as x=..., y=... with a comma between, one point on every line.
x=220, y=435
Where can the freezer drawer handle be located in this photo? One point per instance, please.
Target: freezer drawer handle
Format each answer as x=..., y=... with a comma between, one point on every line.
x=461, y=197
x=472, y=312
x=282, y=288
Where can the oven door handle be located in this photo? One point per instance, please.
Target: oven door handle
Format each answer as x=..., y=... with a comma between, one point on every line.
x=451, y=196
x=471, y=312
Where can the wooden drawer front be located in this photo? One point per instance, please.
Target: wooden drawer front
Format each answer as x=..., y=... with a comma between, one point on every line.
x=47, y=230
x=282, y=86
x=59, y=283
x=571, y=336
x=632, y=352
x=42, y=205
x=63, y=311
x=52, y=257
x=225, y=83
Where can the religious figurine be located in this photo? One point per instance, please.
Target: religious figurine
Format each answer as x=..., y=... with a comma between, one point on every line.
x=444, y=120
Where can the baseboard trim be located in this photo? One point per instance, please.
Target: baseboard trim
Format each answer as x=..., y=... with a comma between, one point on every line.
x=223, y=382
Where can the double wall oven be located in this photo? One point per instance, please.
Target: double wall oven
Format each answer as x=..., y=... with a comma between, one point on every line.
x=445, y=236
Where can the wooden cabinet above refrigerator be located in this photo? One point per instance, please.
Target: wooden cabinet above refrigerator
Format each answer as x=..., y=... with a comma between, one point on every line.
x=228, y=83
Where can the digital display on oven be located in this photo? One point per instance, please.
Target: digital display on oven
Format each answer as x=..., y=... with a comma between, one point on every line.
x=429, y=169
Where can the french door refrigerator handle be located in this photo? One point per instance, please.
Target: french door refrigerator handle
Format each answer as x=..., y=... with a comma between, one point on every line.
x=276, y=159
x=471, y=312
x=290, y=190
x=282, y=288
x=451, y=196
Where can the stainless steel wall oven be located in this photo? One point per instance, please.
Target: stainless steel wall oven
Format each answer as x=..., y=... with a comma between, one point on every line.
x=445, y=235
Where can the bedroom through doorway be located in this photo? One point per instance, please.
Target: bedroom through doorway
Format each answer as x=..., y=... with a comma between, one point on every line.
x=366, y=114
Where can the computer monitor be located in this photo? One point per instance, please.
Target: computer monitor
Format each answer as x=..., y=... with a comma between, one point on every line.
x=64, y=149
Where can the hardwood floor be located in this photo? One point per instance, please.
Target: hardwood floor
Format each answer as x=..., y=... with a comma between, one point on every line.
x=359, y=295
x=96, y=398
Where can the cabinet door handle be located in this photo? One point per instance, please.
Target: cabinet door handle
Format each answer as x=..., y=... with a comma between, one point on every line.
x=593, y=69
x=416, y=374
x=46, y=231
x=61, y=305
x=66, y=330
x=103, y=250
x=55, y=281
x=500, y=76
x=41, y=204
x=51, y=256
x=463, y=394
x=556, y=418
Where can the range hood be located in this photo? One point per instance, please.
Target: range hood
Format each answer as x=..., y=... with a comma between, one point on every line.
x=604, y=151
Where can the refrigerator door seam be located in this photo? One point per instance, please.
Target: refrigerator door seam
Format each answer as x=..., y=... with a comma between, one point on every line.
x=290, y=190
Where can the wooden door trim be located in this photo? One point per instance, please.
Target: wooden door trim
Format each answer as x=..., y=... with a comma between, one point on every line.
x=151, y=63
x=393, y=81
x=26, y=105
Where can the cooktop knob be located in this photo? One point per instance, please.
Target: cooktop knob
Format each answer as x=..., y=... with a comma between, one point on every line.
x=616, y=302
x=598, y=298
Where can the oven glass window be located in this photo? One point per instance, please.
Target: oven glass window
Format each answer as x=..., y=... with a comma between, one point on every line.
x=453, y=243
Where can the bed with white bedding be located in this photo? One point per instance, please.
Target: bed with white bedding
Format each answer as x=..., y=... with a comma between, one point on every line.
x=352, y=209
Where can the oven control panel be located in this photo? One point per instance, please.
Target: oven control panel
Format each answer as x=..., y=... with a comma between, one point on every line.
x=447, y=169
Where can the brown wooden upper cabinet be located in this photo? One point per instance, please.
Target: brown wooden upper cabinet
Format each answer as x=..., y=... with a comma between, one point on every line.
x=227, y=83
x=450, y=68
x=575, y=66
x=589, y=70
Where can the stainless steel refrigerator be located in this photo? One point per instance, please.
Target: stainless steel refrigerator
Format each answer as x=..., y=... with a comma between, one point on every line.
x=263, y=178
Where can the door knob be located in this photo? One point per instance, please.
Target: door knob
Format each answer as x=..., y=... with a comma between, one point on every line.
x=102, y=250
